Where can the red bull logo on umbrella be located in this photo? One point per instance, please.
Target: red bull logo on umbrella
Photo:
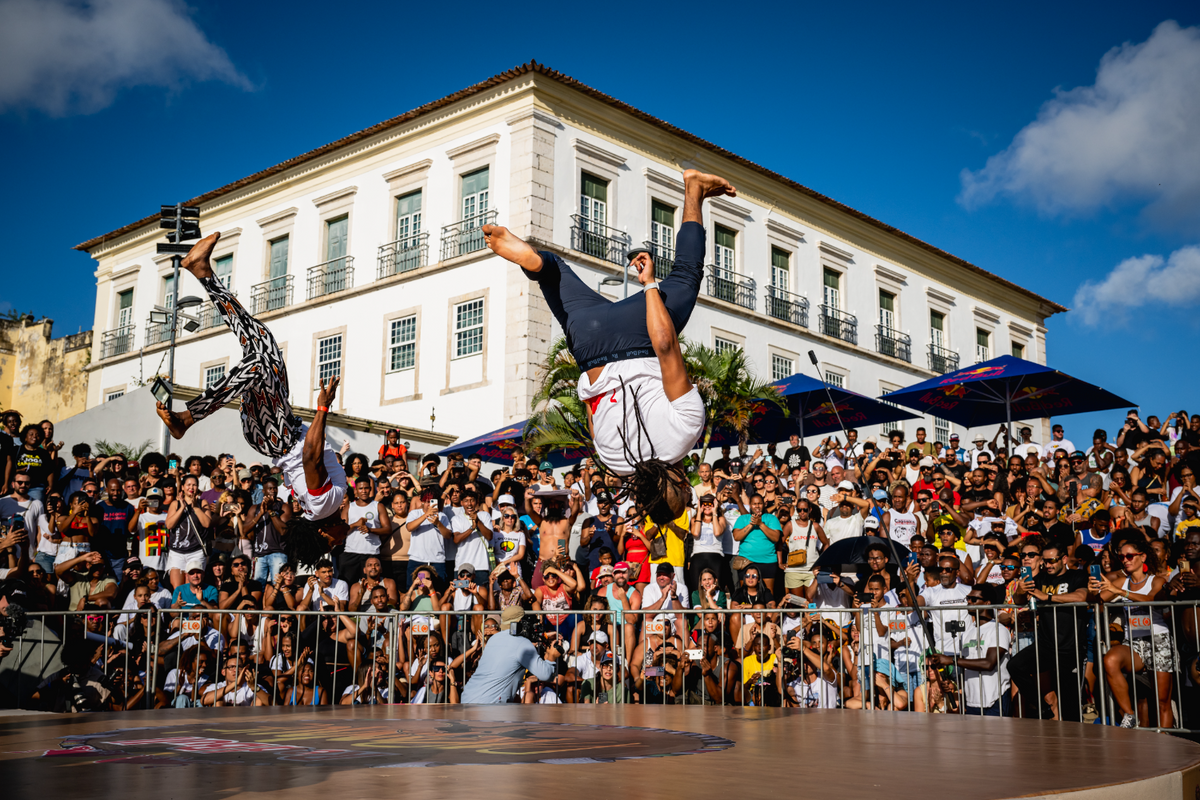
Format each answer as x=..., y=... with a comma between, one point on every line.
x=974, y=373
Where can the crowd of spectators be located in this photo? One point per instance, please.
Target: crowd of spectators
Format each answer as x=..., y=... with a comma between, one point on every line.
x=187, y=592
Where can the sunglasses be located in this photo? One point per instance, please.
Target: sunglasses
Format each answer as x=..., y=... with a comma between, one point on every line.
x=1030, y=554
x=1008, y=566
x=1129, y=556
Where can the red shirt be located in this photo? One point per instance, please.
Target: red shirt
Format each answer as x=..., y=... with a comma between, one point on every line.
x=398, y=451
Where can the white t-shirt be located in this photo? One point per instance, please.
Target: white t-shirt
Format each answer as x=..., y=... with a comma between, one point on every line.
x=707, y=543
x=903, y=526
x=976, y=453
x=652, y=592
x=938, y=595
x=838, y=527
x=1065, y=444
x=152, y=539
x=315, y=506
x=32, y=510
x=668, y=430
x=984, y=688
x=803, y=537
x=818, y=694
x=505, y=544
x=339, y=589
x=1156, y=517
x=428, y=546
x=1026, y=450
x=241, y=696
x=473, y=549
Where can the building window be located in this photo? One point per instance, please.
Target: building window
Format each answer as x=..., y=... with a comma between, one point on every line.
x=726, y=241
x=114, y=395
x=723, y=346
x=408, y=215
x=833, y=289
x=223, y=270
x=662, y=227
x=329, y=358
x=475, y=194
x=169, y=292
x=593, y=203
x=781, y=269
x=125, y=309
x=402, y=347
x=782, y=367
x=983, y=345
x=468, y=328
x=213, y=375
x=834, y=379
x=937, y=329
x=887, y=311
x=279, y=257
x=887, y=427
x=941, y=431
x=1018, y=350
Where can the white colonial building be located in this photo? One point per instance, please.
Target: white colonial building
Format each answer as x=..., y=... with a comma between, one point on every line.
x=366, y=260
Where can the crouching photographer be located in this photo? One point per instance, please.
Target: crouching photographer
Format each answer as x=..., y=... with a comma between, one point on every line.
x=508, y=654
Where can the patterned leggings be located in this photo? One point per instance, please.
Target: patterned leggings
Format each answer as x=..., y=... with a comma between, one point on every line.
x=260, y=380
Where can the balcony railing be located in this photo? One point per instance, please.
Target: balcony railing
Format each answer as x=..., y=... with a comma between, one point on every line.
x=331, y=276
x=116, y=342
x=403, y=255
x=890, y=342
x=784, y=305
x=942, y=360
x=466, y=236
x=271, y=295
x=839, y=324
x=725, y=284
x=159, y=332
x=598, y=241
x=664, y=259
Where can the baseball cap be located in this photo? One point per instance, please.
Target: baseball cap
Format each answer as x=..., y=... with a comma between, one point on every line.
x=879, y=494
x=601, y=571
x=506, y=500
x=545, y=466
x=847, y=485
x=154, y=491
x=1079, y=454
x=603, y=497
x=244, y=475
x=954, y=437
x=195, y=567
x=927, y=461
x=598, y=636
x=871, y=524
x=133, y=563
x=465, y=568
x=621, y=566
x=607, y=657
x=664, y=569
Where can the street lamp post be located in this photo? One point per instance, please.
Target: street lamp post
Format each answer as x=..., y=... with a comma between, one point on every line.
x=183, y=224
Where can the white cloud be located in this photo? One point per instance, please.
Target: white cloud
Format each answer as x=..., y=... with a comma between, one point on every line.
x=1130, y=137
x=72, y=56
x=1146, y=283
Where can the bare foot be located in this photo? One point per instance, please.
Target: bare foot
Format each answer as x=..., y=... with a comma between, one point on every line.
x=177, y=424
x=196, y=261
x=505, y=245
x=709, y=185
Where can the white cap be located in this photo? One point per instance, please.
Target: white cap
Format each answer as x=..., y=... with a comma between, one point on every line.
x=506, y=500
x=927, y=461
x=871, y=523
x=847, y=485
x=598, y=636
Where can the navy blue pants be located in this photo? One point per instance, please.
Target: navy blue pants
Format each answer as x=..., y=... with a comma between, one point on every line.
x=599, y=330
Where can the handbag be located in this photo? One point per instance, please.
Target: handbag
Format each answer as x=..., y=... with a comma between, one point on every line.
x=797, y=558
x=739, y=562
x=658, y=546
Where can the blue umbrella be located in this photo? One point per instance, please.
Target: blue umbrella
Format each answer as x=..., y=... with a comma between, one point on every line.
x=810, y=413
x=499, y=445
x=1005, y=387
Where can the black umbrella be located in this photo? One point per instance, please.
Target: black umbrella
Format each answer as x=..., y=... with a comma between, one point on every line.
x=854, y=551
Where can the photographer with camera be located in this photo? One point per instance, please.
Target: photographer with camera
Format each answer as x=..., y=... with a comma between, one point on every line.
x=507, y=656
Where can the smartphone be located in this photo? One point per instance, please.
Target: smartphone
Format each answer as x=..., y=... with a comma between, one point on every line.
x=17, y=523
x=161, y=390
x=1094, y=570
x=1026, y=573
x=1185, y=565
x=694, y=655
x=173, y=463
x=823, y=578
x=654, y=672
x=461, y=583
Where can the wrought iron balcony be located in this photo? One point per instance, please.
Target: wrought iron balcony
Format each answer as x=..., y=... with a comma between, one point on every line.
x=664, y=258
x=209, y=316
x=403, y=255
x=330, y=276
x=159, y=332
x=116, y=342
x=839, y=324
x=725, y=284
x=942, y=360
x=271, y=295
x=598, y=241
x=466, y=236
x=890, y=342
x=784, y=305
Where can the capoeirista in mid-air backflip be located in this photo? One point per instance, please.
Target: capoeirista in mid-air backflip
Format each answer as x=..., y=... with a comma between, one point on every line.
x=644, y=414
x=310, y=467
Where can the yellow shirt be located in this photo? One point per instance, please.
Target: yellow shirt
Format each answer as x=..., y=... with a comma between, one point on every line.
x=752, y=667
x=675, y=556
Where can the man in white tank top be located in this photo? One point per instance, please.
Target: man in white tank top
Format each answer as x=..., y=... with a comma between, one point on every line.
x=899, y=520
x=644, y=414
x=369, y=522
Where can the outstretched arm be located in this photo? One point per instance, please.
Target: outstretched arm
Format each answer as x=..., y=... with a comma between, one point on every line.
x=662, y=335
x=313, y=456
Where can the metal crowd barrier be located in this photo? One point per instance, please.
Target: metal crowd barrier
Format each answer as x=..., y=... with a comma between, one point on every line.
x=1067, y=661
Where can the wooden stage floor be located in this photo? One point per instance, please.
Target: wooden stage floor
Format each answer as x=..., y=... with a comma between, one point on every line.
x=581, y=752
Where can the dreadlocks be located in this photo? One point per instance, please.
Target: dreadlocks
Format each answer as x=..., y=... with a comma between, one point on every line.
x=655, y=489
x=307, y=542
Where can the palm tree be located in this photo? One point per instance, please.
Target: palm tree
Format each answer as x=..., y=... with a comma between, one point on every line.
x=558, y=420
x=731, y=391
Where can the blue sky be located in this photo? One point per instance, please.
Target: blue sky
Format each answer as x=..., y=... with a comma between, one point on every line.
x=982, y=130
